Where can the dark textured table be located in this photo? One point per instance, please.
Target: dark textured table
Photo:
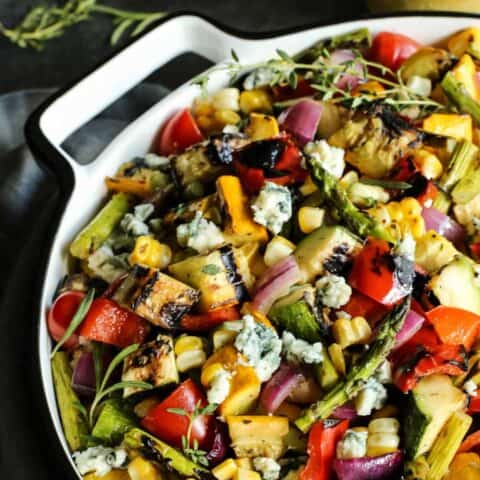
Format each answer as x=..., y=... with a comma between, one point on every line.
x=28, y=449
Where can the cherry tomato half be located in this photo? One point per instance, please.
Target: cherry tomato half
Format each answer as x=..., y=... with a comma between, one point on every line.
x=178, y=133
x=60, y=315
x=392, y=49
x=171, y=427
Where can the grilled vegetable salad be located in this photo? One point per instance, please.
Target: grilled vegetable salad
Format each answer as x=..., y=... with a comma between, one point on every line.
x=287, y=286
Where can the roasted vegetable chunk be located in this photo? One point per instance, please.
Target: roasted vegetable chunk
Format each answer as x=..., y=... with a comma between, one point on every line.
x=157, y=297
x=153, y=362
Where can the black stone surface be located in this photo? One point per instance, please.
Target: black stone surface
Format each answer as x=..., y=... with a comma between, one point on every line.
x=28, y=198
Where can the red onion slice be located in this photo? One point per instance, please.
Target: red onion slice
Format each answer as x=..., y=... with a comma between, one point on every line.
x=347, y=81
x=347, y=411
x=279, y=387
x=220, y=443
x=443, y=224
x=83, y=378
x=275, y=283
x=369, y=468
x=412, y=324
x=301, y=120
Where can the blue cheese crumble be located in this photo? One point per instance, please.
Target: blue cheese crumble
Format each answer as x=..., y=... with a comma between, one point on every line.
x=267, y=467
x=328, y=157
x=333, y=291
x=134, y=223
x=273, y=207
x=261, y=347
x=372, y=396
x=353, y=444
x=299, y=351
x=200, y=234
x=106, y=265
x=219, y=389
x=99, y=460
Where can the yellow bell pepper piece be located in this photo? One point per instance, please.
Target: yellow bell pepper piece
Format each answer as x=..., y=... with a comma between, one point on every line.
x=226, y=470
x=256, y=100
x=112, y=475
x=262, y=126
x=465, y=466
x=428, y=164
x=141, y=469
x=225, y=358
x=149, y=252
x=450, y=124
x=136, y=186
x=240, y=227
x=371, y=88
x=466, y=41
x=464, y=72
x=244, y=474
x=245, y=463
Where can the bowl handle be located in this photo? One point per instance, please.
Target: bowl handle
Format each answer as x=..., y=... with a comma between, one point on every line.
x=72, y=107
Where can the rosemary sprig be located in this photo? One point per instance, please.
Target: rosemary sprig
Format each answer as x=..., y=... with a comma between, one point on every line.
x=190, y=447
x=44, y=23
x=103, y=391
x=77, y=319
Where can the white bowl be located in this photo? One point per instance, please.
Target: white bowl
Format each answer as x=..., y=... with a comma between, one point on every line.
x=60, y=116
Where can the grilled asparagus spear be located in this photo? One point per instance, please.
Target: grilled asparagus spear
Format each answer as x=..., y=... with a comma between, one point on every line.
x=360, y=372
x=458, y=95
x=356, y=220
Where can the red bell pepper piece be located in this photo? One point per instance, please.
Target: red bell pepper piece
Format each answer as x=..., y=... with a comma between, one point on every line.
x=107, y=322
x=373, y=273
x=392, y=49
x=428, y=195
x=360, y=305
x=405, y=169
x=454, y=326
x=475, y=250
x=206, y=321
x=472, y=442
x=322, y=444
x=286, y=92
x=171, y=427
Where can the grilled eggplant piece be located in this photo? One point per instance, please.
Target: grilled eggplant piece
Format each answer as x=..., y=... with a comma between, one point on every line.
x=427, y=62
x=155, y=296
x=153, y=362
x=374, y=141
x=216, y=275
x=220, y=149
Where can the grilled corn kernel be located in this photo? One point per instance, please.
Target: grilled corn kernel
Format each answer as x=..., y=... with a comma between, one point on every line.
x=150, y=253
x=310, y=218
x=401, y=217
x=256, y=100
x=244, y=462
x=277, y=249
x=351, y=331
x=222, y=337
x=382, y=443
x=226, y=99
x=226, y=117
x=308, y=187
x=190, y=353
x=111, y=475
x=141, y=469
x=203, y=106
x=226, y=470
x=428, y=163
x=384, y=425
x=337, y=357
x=261, y=126
x=206, y=122
x=244, y=474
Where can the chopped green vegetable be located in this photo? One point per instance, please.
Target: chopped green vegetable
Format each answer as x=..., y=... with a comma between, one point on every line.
x=113, y=422
x=462, y=159
x=459, y=96
x=101, y=227
x=442, y=202
x=361, y=371
x=467, y=188
x=73, y=420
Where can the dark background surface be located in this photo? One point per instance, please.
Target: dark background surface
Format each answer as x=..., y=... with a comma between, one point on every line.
x=28, y=199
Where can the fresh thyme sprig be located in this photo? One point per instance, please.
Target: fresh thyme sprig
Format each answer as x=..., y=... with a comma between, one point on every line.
x=103, y=390
x=190, y=447
x=44, y=23
x=324, y=76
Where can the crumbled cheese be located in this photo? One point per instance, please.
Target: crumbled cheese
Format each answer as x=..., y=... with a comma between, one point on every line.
x=372, y=396
x=273, y=206
x=260, y=77
x=406, y=247
x=231, y=129
x=219, y=388
x=200, y=234
x=134, y=223
x=352, y=445
x=268, y=467
x=420, y=85
x=106, y=265
x=152, y=160
x=99, y=460
x=261, y=346
x=384, y=373
x=300, y=351
x=328, y=157
x=333, y=291
x=470, y=387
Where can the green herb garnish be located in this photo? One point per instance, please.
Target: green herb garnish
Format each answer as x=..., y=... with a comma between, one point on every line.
x=77, y=319
x=189, y=447
x=388, y=184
